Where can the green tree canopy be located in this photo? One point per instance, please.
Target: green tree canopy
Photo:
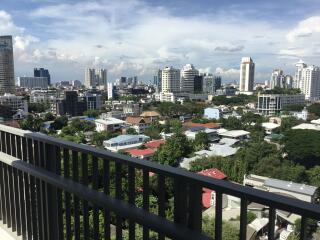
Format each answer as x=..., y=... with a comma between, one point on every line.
x=92, y=113
x=201, y=141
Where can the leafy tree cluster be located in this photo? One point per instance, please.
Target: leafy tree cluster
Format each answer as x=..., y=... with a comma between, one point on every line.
x=314, y=109
x=97, y=138
x=173, y=109
x=288, y=122
x=154, y=130
x=92, y=113
x=31, y=123
x=278, y=90
x=38, y=107
x=241, y=99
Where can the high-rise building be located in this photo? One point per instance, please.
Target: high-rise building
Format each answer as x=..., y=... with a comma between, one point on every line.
x=211, y=83
x=247, y=67
x=307, y=78
x=41, y=72
x=6, y=65
x=95, y=78
x=198, y=84
x=32, y=82
x=110, y=91
x=157, y=81
x=188, y=74
x=170, y=80
x=101, y=77
x=278, y=79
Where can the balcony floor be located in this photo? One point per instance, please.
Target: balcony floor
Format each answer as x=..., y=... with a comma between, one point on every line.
x=5, y=234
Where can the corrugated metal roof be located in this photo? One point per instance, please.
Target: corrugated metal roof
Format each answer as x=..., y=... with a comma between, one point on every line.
x=291, y=186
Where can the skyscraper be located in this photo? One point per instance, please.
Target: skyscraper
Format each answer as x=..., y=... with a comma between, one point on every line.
x=95, y=78
x=211, y=83
x=188, y=74
x=6, y=65
x=307, y=78
x=170, y=80
x=41, y=72
x=246, y=74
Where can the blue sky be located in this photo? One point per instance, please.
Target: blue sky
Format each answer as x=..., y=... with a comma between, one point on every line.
x=132, y=37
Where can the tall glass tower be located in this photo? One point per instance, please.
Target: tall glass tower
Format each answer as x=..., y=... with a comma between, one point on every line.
x=6, y=65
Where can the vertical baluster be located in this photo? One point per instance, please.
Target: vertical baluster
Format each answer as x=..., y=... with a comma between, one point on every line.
x=22, y=213
x=146, y=201
x=106, y=190
x=218, y=219
x=67, y=196
x=271, y=225
x=75, y=174
x=118, y=196
x=32, y=191
x=27, y=189
x=131, y=185
x=51, y=193
x=243, y=218
x=180, y=203
x=59, y=195
x=6, y=209
x=161, y=200
x=95, y=185
x=85, y=216
x=303, y=228
x=43, y=203
x=36, y=147
x=195, y=207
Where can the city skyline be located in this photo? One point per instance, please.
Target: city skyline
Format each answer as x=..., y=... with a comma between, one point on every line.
x=139, y=37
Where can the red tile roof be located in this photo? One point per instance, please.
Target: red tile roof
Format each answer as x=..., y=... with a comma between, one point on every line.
x=206, y=199
x=141, y=152
x=206, y=125
x=137, y=120
x=214, y=173
x=154, y=143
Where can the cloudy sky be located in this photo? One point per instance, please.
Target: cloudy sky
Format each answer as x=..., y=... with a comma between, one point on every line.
x=133, y=37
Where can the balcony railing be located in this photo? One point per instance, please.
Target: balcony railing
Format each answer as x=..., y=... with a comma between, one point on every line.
x=54, y=189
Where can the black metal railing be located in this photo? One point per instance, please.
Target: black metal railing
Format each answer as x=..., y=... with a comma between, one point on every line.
x=54, y=189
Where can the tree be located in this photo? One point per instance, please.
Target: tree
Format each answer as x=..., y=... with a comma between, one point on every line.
x=97, y=138
x=314, y=176
x=38, y=107
x=131, y=131
x=314, y=109
x=175, y=125
x=59, y=123
x=229, y=232
x=201, y=141
x=173, y=150
x=288, y=122
x=32, y=124
x=92, y=113
x=302, y=146
x=49, y=116
x=232, y=123
x=294, y=107
x=153, y=131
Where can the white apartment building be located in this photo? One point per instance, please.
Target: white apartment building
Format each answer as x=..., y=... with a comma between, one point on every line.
x=278, y=79
x=307, y=78
x=170, y=80
x=188, y=74
x=247, y=67
x=32, y=82
x=110, y=90
x=14, y=102
x=271, y=104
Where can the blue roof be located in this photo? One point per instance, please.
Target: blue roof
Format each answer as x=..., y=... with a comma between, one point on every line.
x=123, y=138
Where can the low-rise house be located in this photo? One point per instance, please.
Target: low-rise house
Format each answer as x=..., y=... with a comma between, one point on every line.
x=208, y=195
x=235, y=134
x=108, y=124
x=303, y=115
x=151, y=115
x=212, y=133
x=138, y=123
x=155, y=144
x=141, y=153
x=270, y=127
x=210, y=125
x=124, y=142
x=307, y=126
x=316, y=122
x=212, y=113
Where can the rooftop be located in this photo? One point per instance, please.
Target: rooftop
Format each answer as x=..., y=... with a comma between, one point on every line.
x=125, y=138
x=141, y=152
x=307, y=126
x=109, y=121
x=291, y=186
x=213, y=173
x=154, y=143
x=234, y=133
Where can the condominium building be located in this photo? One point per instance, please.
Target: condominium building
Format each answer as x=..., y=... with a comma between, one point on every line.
x=188, y=74
x=32, y=82
x=95, y=78
x=307, y=78
x=14, y=102
x=42, y=72
x=6, y=65
x=247, y=68
x=93, y=100
x=170, y=80
x=272, y=104
x=211, y=83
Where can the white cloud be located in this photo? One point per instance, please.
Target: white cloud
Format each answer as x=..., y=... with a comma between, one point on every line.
x=230, y=73
x=305, y=28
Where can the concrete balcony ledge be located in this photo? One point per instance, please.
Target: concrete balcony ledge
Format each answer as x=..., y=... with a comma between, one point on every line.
x=7, y=234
